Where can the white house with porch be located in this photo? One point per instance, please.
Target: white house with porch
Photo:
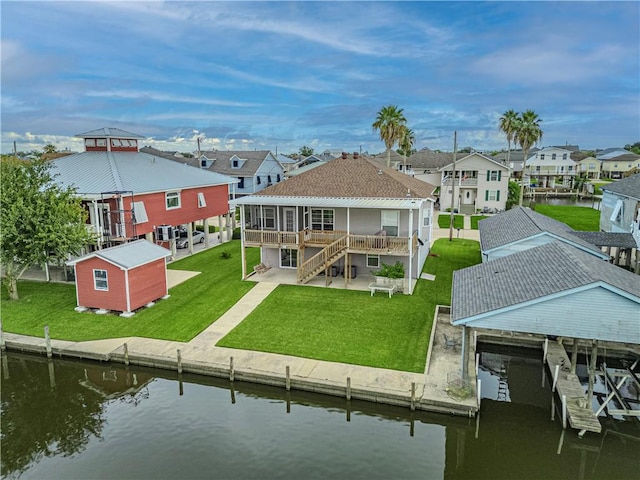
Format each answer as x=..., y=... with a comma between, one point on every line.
x=346, y=217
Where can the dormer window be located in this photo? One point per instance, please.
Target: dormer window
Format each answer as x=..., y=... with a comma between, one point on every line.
x=235, y=163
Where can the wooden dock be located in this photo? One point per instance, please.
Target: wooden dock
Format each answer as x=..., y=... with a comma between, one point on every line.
x=579, y=413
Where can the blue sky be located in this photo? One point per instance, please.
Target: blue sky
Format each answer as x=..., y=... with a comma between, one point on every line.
x=267, y=75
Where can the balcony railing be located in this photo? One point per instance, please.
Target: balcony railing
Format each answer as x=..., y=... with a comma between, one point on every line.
x=466, y=182
x=356, y=243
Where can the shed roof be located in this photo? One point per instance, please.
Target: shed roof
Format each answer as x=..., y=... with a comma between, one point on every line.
x=128, y=255
x=94, y=172
x=551, y=268
x=520, y=223
x=351, y=177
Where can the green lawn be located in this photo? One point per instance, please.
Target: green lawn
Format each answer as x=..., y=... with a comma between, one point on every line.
x=192, y=306
x=579, y=218
x=445, y=219
x=475, y=219
x=351, y=326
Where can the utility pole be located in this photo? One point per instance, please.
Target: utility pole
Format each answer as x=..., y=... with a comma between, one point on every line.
x=199, y=161
x=453, y=183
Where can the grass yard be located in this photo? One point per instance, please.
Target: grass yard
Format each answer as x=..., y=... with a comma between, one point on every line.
x=579, y=218
x=445, y=219
x=193, y=305
x=475, y=219
x=351, y=326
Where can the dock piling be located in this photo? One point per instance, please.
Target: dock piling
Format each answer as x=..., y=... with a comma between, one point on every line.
x=413, y=396
x=564, y=411
x=348, y=388
x=288, y=378
x=126, y=354
x=179, y=361
x=479, y=392
x=47, y=340
x=555, y=378
x=231, y=371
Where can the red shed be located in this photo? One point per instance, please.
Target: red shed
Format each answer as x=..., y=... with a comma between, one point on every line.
x=122, y=278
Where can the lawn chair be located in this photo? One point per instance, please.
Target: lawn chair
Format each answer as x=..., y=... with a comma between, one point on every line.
x=449, y=342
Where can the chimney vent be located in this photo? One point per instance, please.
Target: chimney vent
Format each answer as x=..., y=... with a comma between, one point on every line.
x=344, y=155
x=355, y=155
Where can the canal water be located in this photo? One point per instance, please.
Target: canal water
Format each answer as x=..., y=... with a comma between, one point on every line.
x=65, y=419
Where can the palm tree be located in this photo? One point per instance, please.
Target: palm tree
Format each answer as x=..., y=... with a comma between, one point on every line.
x=507, y=125
x=388, y=123
x=405, y=144
x=527, y=133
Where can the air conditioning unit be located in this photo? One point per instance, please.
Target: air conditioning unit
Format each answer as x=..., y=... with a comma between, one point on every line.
x=164, y=233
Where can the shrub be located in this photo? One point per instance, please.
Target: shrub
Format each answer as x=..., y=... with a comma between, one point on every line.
x=236, y=234
x=225, y=255
x=391, y=271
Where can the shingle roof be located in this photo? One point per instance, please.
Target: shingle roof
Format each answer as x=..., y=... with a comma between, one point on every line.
x=430, y=160
x=92, y=173
x=626, y=157
x=222, y=161
x=628, y=187
x=351, y=178
x=486, y=157
x=608, y=239
x=520, y=223
x=128, y=255
x=108, y=132
x=532, y=274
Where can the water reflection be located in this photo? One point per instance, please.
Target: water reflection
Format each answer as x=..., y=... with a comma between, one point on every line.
x=63, y=419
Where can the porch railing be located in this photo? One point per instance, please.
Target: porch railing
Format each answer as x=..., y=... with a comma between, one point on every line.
x=273, y=237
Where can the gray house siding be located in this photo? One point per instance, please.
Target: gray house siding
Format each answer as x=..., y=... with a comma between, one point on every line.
x=584, y=314
x=624, y=219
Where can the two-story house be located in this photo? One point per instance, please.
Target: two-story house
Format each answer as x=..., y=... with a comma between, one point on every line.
x=589, y=167
x=616, y=167
x=480, y=183
x=349, y=215
x=254, y=170
x=130, y=194
x=550, y=167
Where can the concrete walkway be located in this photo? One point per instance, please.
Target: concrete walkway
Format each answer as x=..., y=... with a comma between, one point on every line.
x=202, y=356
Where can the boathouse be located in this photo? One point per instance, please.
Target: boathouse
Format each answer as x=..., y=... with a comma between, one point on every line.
x=121, y=278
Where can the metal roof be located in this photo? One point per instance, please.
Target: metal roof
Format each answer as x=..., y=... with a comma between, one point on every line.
x=108, y=132
x=128, y=255
x=334, y=202
x=94, y=172
x=532, y=274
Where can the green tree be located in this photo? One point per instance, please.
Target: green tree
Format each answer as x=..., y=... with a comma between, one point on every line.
x=633, y=147
x=406, y=141
x=50, y=148
x=306, y=151
x=508, y=122
x=389, y=123
x=39, y=219
x=527, y=133
x=513, y=194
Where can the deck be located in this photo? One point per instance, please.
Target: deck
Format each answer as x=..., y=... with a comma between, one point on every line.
x=579, y=417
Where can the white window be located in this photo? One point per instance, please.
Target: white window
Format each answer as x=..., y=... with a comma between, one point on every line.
x=269, y=219
x=288, y=258
x=90, y=142
x=322, y=219
x=101, y=142
x=542, y=156
x=564, y=156
x=390, y=221
x=425, y=218
x=173, y=200
x=592, y=166
x=139, y=213
x=373, y=261
x=100, y=281
x=201, y=201
x=616, y=215
x=115, y=142
x=553, y=156
x=133, y=143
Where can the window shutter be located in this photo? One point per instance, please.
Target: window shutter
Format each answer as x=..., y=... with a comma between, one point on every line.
x=488, y=175
x=486, y=195
x=499, y=175
x=498, y=195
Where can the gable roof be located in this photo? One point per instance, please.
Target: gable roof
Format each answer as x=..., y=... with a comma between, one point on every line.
x=252, y=159
x=108, y=132
x=92, y=173
x=520, y=223
x=350, y=177
x=551, y=268
x=628, y=187
x=625, y=157
x=128, y=255
x=486, y=157
x=426, y=159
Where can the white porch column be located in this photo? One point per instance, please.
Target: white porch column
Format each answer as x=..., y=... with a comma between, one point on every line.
x=410, y=248
x=228, y=226
x=190, y=237
x=220, y=227
x=206, y=232
x=242, y=227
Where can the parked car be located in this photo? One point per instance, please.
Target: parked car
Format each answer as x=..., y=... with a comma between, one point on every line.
x=183, y=241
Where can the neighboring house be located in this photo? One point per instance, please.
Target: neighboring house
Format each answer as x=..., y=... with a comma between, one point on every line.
x=480, y=184
x=516, y=160
x=620, y=207
x=589, y=167
x=616, y=167
x=130, y=194
x=553, y=289
x=122, y=278
x=351, y=214
x=254, y=170
x=287, y=162
x=551, y=167
x=520, y=229
x=422, y=165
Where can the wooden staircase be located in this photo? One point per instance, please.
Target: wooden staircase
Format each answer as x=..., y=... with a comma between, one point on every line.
x=322, y=260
